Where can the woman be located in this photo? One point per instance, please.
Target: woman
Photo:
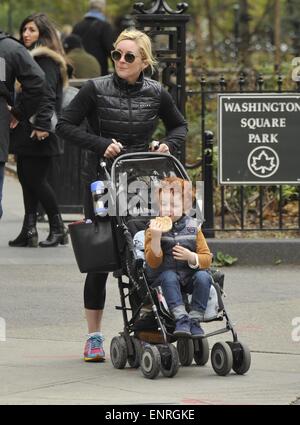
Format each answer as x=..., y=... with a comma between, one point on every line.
x=34, y=141
x=123, y=110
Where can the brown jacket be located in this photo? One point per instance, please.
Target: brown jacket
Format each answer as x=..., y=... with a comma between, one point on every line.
x=204, y=254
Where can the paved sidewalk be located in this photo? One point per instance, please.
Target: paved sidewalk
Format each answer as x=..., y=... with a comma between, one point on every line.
x=41, y=302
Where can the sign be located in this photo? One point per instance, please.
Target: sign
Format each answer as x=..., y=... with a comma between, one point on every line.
x=259, y=139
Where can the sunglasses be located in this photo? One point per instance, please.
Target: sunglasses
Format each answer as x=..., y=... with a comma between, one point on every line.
x=129, y=57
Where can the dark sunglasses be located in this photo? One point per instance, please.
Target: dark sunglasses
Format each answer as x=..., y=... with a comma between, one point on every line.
x=129, y=57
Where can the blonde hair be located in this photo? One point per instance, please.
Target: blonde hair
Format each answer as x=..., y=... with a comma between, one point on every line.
x=143, y=42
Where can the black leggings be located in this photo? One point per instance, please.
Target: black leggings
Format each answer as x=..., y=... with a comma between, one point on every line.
x=95, y=283
x=32, y=173
x=94, y=291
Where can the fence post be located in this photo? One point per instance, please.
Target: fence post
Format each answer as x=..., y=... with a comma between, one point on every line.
x=167, y=29
x=208, y=226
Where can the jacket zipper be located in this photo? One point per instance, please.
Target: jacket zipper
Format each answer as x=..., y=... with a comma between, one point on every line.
x=130, y=112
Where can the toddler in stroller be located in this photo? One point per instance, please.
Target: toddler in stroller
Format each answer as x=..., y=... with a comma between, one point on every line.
x=178, y=260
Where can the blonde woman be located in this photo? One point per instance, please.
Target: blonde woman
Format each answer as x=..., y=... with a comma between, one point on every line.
x=128, y=106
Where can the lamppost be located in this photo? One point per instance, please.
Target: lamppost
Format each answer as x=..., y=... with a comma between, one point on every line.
x=167, y=29
x=160, y=7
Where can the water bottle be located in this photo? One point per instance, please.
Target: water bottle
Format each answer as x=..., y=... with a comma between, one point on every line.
x=98, y=189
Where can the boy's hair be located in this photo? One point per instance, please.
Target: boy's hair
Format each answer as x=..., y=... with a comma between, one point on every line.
x=179, y=182
x=181, y=186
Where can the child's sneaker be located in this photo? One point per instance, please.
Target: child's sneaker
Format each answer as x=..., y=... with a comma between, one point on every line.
x=183, y=327
x=196, y=330
x=93, y=350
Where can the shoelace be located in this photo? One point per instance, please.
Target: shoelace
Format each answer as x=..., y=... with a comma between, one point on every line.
x=96, y=341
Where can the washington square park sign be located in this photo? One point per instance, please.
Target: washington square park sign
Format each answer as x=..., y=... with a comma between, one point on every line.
x=259, y=139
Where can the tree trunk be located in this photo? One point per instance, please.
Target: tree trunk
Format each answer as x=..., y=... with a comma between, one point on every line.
x=244, y=33
x=277, y=31
x=211, y=31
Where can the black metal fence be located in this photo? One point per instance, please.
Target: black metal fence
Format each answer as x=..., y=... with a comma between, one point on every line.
x=237, y=208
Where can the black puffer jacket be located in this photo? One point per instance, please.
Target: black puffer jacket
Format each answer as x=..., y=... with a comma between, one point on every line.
x=18, y=65
x=127, y=113
x=54, y=66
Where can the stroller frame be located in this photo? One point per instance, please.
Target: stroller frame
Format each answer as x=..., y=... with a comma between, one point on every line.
x=163, y=355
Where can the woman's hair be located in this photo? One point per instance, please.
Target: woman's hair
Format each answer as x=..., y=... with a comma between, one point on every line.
x=143, y=42
x=48, y=35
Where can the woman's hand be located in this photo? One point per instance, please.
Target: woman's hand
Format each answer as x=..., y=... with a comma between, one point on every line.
x=13, y=120
x=183, y=254
x=163, y=148
x=39, y=134
x=113, y=150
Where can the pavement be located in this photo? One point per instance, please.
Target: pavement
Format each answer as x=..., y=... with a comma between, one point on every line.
x=41, y=356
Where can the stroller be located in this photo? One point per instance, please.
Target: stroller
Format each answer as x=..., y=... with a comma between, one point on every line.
x=147, y=337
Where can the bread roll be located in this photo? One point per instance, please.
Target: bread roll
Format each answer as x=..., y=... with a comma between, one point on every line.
x=166, y=223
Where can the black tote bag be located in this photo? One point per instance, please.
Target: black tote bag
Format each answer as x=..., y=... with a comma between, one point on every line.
x=94, y=246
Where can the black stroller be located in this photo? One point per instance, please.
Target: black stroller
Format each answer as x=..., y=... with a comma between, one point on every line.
x=147, y=337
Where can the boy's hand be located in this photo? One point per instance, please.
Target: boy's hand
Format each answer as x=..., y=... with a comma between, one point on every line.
x=156, y=229
x=183, y=254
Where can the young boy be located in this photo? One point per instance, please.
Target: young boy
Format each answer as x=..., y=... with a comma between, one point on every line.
x=177, y=261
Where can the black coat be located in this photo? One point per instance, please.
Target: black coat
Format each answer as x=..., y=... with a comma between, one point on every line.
x=49, y=110
x=97, y=38
x=18, y=65
x=128, y=113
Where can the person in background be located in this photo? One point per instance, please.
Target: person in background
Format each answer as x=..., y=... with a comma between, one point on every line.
x=34, y=141
x=66, y=30
x=96, y=33
x=84, y=65
x=16, y=63
x=128, y=107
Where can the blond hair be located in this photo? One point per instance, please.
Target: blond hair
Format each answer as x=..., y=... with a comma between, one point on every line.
x=143, y=42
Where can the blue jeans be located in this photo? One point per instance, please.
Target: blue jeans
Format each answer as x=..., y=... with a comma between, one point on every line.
x=199, y=287
x=2, y=164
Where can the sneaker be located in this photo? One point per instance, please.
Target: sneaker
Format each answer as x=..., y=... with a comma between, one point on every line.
x=183, y=327
x=93, y=350
x=196, y=330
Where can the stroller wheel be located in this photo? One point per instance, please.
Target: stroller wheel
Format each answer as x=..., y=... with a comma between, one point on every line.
x=118, y=352
x=135, y=360
x=221, y=358
x=185, y=348
x=241, y=358
x=150, y=361
x=169, y=360
x=201, y=354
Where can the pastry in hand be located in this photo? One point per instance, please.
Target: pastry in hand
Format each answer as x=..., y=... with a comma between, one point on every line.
x=165, y=222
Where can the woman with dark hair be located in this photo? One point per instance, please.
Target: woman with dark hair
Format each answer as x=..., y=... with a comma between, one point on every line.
x=34, y=140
